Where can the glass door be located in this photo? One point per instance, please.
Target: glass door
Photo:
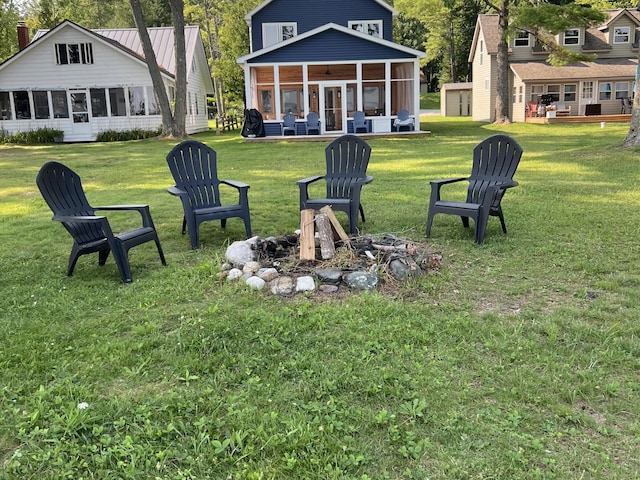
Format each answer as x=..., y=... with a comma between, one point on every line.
x=80, y=112
x=587, y=95
x=331, y=104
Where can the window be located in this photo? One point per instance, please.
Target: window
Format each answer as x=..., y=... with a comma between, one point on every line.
x=621, y=35
x=21, y=105
x=136, y=101
x=570, y=92
x=481, y=52
x=273, y=33
x=67, y=53
x=520, y=94
x=622, y=90
x=370, y=27
x=117, y=102
x=554, y=92
x=41, y=105
x=291, y=100
x=522, y=39
x=60, y=105
x=536, y=93
x=572, y=36
x=605, y=91
x=98, y=102
x=5, y=106
x=153, y=107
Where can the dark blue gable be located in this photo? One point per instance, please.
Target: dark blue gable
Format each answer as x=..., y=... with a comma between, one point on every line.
x=310, y=14
x=331, y=46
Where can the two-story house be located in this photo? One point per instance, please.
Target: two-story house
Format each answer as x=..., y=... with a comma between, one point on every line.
x=332, y=57
x=84, y=82
x=597, y=87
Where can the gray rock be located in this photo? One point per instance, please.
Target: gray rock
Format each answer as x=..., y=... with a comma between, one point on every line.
x=403, y=269
x=239, y=253
x=305, y=284
x=251, y=267
x=332, y=276
x=255, y=282
x=234, y=274
x=325, y=288
x=282, y=286
x=362, y=280
x=268, y=274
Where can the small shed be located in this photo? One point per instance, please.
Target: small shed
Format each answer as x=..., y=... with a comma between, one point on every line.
x=455, y=99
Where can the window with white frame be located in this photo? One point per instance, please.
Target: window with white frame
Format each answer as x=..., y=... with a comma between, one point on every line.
x=522, y=39
x=604, y=89
x=554, y=92
x=5, y=106
x=273, y=33
x=622, y=90
x=621, y=34
x=536, y=92
x=370, y=27
x=572, y=36
x=570, y=92
x=74, y=53
x=40, y=104
x=481, y=52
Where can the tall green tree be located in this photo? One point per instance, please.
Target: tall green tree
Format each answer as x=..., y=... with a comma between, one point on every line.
x=9, y=18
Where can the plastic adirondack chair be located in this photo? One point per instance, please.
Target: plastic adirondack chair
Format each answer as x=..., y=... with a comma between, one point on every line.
x=347, y=158
x=288, y=124
x=312, y=124
x=194, y=169
x=62, y=190
x=359, y=123
x=495, y=160
x=403, y=120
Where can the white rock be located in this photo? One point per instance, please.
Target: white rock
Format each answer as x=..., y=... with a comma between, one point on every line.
x=234, y=274
x=239, y=253
x=256, y=283
x=305, y=284
x=251, y=267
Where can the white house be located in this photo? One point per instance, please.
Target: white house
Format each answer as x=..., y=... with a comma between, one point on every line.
x=85, y=81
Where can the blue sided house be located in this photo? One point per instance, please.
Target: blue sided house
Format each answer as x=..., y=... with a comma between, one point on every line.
x=336, y=58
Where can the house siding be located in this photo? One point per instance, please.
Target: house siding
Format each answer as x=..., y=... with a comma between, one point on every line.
x=483, y=105
x=309, y=15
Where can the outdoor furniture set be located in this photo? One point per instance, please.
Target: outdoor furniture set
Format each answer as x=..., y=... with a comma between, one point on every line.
x=194, y=169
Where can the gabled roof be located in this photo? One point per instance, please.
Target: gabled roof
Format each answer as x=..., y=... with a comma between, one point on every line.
x=614, y=15
x=610, y=68
x=487, y=26
x=334, y=27
x=128, y=40
x=248, y=16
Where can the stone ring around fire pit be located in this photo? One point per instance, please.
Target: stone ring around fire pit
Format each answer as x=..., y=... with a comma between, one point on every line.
x=359, y=263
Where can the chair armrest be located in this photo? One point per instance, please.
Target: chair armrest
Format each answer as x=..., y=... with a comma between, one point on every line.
x=436, y=185
x=234, y=184
x=308, y=180
x=138, y=208
x=493, y=190
x=176, y=191
x=79, y=218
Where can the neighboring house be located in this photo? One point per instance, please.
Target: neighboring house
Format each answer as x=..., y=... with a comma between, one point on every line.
x=332, y=57
x=600, y=86
x=84, y=82
x=455, y=99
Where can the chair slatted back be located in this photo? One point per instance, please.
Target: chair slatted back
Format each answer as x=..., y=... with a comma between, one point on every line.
x=494, y=161
x=194, y=169
x=347, y=159
x=359, y=121
x=403, y=114
x=62, y=189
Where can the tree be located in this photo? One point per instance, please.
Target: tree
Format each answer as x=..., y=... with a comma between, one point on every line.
x=173, y=122
x=9, y=17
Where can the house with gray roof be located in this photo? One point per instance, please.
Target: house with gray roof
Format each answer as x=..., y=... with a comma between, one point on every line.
x=84, y=82
x=602, y=86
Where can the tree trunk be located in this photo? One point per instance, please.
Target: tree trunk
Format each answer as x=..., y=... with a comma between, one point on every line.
x=633, y=137
x=502, y=65
x=173, y=124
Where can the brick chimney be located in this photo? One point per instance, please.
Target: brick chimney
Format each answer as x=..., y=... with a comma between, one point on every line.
x=23, y=35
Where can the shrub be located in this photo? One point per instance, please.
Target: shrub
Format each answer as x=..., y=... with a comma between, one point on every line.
x=41, y=135
x=124, y=135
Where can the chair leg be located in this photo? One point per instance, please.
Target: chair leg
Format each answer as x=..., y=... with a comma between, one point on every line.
x=121, y=257
x=361, y=212
x=465, y=221
x=429, y=222
x=160, y=252
x=247, y=225
x=504, y=226
x=184, y=225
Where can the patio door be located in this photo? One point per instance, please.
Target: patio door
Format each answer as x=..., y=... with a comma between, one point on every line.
x=587, y=95
x=80, y=114
x=332, y=108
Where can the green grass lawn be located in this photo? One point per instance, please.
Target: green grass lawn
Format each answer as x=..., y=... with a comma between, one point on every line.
x=519, y=360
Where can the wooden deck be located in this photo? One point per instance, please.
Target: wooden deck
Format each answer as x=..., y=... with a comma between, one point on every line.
x=623, y=117
x=324, y=138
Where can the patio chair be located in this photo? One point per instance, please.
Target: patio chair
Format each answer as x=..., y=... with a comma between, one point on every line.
x=312, y=124
x=495, y=160
x=194, y=169
x=62, y=190
x=359, y=123
x=288, y=125
x=403, y=120
x=347, y=158
x=626, y=105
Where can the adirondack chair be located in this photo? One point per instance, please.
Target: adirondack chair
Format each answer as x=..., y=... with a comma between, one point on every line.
x=62, y=190
x=347, y=158
x=288, y=125
x=495, y=160
x=359, y=123
x=194, y=169
x=312, y=124
x=403, y=120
